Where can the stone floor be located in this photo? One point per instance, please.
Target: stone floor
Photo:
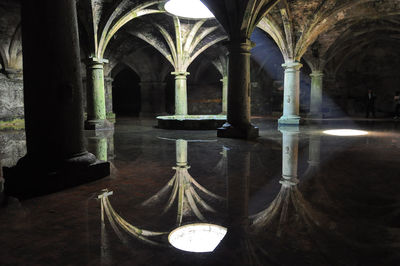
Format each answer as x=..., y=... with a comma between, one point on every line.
x=345, y=209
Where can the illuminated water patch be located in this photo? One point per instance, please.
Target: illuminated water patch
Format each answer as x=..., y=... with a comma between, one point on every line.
x=346, y=132
x=188, y=9
x=197, y=237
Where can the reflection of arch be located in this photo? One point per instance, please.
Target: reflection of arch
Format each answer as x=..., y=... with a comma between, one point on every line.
x=184, y=189
x=126, y=95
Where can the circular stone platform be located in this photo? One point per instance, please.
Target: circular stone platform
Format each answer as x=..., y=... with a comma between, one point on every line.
x=191, y=122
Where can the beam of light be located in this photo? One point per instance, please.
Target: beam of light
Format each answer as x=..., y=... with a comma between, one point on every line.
x=188, y=9
x=198, y=237
x=346, y=132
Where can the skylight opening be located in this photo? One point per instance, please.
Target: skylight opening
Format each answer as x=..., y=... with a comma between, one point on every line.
x=346, y=132
x=198, y=237
x=193, y=9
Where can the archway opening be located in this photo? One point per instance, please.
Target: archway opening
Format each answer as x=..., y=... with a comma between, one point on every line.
x=126, y=93
x=204, y=88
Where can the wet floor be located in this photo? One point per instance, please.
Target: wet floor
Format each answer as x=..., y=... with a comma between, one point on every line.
x=295, y=196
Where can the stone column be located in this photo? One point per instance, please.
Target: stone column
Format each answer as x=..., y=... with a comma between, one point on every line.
x=290, y=151
x=291, y=97
x=96, y=103
x=316, y=94
x=238, y=123
x=224, y=81
x=181, y=108
x=56, y=157
x=158, y=94
x=146, y=90
x=110, y=115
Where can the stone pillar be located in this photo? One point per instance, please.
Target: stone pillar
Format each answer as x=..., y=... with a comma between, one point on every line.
x=181, y=153
x=291, y=97
x=181, y=108
x=56, y=157
x=146, y=90
x=316, y=94
x=290, y=151
x=110, y=115
x=224, y=81
x=238, y=120
x=95, y=94
x=159, y=98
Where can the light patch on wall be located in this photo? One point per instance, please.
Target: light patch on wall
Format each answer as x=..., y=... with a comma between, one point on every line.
x=198, y=237
x=345, y=132
x=188, y=9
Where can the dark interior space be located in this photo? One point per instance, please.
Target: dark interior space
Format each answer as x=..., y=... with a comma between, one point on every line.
x=126, y=93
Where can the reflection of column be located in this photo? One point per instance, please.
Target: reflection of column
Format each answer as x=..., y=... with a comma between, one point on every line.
x=290, y=150
x=181, y=152
x=181, y=93
x=98, y=143
x=96, y=105
x=291, y=97
x=316, y=94
x=98, y=147
x=314, y=150
x=110, y=147
x=238, y=190
x=238, y=120
x=224, y=95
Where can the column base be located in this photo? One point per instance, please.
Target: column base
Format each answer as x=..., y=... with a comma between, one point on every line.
x=26, y=180
x=98, y=125
x=290, y=120
x=245, y=132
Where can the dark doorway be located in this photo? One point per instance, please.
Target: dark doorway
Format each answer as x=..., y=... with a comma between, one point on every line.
x=126, y=93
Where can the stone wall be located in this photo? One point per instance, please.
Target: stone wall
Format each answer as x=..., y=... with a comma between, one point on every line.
x=11, y=99
x=12, y=148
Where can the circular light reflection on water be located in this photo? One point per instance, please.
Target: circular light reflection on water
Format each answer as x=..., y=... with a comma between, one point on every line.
x=346, y=132
x=198, y=237
x=188, y=9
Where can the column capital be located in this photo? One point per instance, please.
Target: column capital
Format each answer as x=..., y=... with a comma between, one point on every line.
x=96, y=61
x=317, y=73
x=292, y=65
x=180, y=73
x=224, y=79
x=240, y=45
